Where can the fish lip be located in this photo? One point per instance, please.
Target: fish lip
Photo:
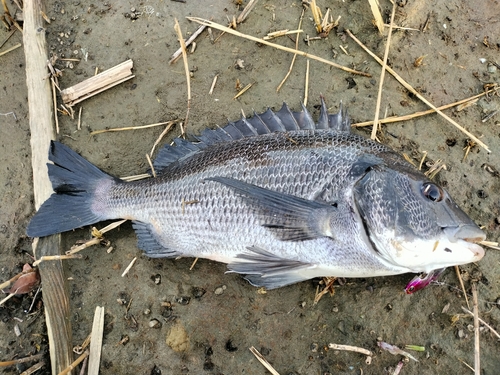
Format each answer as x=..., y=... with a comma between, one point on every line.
x=469, y=232
x=475, y=249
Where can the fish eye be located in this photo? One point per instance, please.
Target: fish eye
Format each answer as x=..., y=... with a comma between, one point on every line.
x=432, y=192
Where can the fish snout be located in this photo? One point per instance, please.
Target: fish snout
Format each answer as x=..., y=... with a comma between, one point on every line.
x=467, y=232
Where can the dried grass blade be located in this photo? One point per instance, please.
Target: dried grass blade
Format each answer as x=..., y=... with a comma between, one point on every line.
x=382, y=73
x=263, y=361
x=389, y=120
x=277, y=46
x=186, y=69
x=294, y=56
x=131, y=127
x=417, y=94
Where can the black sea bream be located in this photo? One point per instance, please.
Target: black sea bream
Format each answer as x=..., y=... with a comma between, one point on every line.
x=278, y=198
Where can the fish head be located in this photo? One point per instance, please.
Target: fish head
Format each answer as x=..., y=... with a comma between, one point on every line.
x=412, y=223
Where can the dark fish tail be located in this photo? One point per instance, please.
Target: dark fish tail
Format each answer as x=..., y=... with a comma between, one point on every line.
x=79, y=194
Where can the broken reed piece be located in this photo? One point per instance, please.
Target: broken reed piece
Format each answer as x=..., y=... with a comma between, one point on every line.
x=97, y=84
x=96, y=341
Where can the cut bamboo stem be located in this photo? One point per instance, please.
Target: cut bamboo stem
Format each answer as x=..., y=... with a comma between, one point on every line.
x=55, y=290
x=98, y=83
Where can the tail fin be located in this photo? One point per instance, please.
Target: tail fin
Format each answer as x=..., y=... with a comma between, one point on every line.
x=74, y=181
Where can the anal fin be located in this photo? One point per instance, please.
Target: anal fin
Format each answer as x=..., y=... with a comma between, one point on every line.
x=147, y=240
x=264, y=269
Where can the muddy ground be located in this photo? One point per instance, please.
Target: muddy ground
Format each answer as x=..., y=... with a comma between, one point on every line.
x=207, y=320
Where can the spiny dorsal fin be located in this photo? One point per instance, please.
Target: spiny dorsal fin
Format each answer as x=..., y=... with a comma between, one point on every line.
x=260, y=123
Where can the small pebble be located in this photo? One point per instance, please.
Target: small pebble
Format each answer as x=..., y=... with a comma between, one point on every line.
x=17, y=330
x=492, y=68
x=220, y=290
x=154, y=323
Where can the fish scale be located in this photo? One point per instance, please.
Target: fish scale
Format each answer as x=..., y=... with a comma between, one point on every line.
x=278, y=198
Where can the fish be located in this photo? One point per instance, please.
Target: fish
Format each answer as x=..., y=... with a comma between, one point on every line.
x=421, y=281
x=278, y=197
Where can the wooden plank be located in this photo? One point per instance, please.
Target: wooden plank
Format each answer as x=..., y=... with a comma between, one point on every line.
x=55, y=291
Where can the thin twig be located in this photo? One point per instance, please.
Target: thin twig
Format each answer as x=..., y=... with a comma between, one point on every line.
x=263, y=361
x=277, y=46
x=477, y=357
x=242, y=91
x=132, y=127
x=190, y=40
x=78, y=126
x=129, y=267
x=459, y=276
x=350, y=349
x=34, y=368
x=382, y=73
x=22, y=360
x=379, y=22
x=422, y=113
x=54, y=101
x=163, y=133
x=295, y=55
x=246, y=11
x=151, y=165
x=8, y=37
x=483, y=322
x=306, y=85
x=213, y=85
x=75, y=363
x=56, y=257
x=188, y=77
x=10, y=49
x=466, y=364
x=414, y=92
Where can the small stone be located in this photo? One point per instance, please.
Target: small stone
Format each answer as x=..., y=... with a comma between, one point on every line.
x=154, y=323
x=218, y=291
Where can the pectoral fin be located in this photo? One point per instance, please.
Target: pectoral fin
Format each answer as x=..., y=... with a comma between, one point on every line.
x=261, y=268
x=289, y=217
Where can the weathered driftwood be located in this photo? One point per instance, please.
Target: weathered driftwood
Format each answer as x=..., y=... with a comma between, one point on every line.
x=55, y=291
x=99, y=83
